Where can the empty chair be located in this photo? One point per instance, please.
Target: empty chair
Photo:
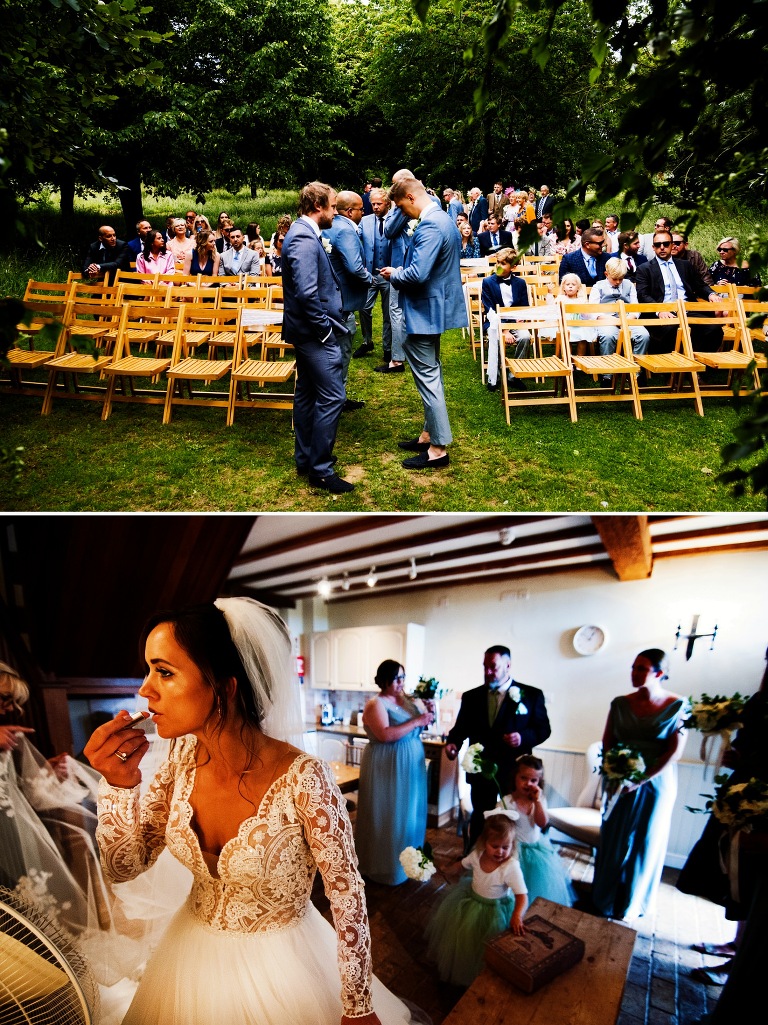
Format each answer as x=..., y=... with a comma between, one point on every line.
x=248, y=372
x=331, y=750
x=140, y=324
x=582, y=821
x=186, y=370
x=736, y=354
x=83, y=323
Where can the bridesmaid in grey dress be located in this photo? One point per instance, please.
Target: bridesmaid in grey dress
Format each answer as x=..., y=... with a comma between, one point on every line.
x=633, y=837
x=392, y=806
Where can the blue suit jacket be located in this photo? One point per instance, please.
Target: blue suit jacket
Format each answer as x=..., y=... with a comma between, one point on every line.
x=573, y=263
x=490, y=293
x=311, y=291
x=369, y=227
x=348, y=262
x=395, y=225
x=478, y=214
x=430, y=280
x=455, y=207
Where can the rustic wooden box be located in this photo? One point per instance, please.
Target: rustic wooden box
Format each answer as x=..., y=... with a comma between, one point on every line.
x=530, y=961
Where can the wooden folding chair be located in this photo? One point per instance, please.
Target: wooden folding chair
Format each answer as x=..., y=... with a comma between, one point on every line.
x=47, y=300
x=140, y=324
x=83, y=323
x=675, y=364
x=620, y=365
x=472, y=298
x=754, y=318
x=185, y=370
x=546, y=320
x=737, y=359
x=247, y=372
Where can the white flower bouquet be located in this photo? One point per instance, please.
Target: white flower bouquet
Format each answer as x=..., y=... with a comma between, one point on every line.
x=417, y=863
x=474, y=763
x=620, y=764
x=714, y=717
x=740, y=805
x=429, y=688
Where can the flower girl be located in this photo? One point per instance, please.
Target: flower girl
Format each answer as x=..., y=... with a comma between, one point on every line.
x=479, y=908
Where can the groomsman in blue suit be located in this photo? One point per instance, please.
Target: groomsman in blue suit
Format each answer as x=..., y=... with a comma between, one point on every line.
x=433, y=301
x=314, y=323
x=377, y=250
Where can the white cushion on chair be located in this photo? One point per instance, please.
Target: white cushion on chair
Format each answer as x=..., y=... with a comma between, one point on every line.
x=582, y=824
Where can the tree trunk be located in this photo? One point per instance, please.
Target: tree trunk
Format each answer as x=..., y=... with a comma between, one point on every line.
x=67, y=192
x=129, y=179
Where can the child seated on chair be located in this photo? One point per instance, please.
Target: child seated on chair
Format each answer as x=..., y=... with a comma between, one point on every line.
x=573, y=290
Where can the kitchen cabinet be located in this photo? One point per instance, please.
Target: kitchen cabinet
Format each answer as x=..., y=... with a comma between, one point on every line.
x=347, y=659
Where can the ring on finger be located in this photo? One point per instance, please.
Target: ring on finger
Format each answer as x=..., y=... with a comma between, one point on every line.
x=121, y=755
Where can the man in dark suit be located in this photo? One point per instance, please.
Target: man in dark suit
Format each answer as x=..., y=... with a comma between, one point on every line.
x=508, y=718
x=665, y=279
x=143, y=228
x=314, y=323
x=589, y=261
x=545, y=203
x=478, y=209
x=504, y=288
x=495, y=238
x=433, y=302
x=106, y=257
x=629, y=252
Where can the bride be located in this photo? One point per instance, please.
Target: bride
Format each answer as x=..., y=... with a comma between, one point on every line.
x=252, y=817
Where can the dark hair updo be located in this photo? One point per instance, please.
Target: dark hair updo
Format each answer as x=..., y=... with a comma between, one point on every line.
x=386, y=673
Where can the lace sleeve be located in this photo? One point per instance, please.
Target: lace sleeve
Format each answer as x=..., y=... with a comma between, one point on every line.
x=328, y=832
x=131, y=832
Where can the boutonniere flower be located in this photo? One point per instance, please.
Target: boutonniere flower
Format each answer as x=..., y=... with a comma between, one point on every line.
x=326, y=244
x=516, y=694
x=412, y=225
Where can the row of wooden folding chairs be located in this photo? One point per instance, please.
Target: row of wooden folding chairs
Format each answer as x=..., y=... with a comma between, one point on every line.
x=554, y=325
x=145, y=322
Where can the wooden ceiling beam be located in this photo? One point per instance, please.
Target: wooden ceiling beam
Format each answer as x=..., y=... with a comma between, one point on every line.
x=627, y=541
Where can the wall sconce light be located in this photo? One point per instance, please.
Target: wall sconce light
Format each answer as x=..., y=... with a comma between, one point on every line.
x=324, y=587
x=412, y=574
x=345, y=582
x=506, y=537
x=372, y=578
x=693, y=636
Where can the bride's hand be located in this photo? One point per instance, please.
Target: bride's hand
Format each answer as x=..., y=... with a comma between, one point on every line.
x=368, y=1019
x=115, y=751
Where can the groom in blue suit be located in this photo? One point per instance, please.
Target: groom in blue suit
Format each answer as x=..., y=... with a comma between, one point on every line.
x=433, y=301
x=314, y=323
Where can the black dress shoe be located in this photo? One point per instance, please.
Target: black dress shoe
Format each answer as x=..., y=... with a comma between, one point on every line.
x=516, y=384
x=423, y=462
x=303, y=471
x=363, y=350
x=606, y=381
x=333, y=483
x=351, y=404
x=414, y=445
x=399, y=368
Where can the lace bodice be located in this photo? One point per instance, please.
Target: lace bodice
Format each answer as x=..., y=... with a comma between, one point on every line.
x=265, y=873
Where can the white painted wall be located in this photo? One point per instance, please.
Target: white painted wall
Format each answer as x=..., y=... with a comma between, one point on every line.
x=536, y=618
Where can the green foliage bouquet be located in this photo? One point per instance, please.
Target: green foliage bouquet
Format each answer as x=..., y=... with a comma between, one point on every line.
x=740, y=805
x=620, y=764
x=429, y=688
x=715, y=717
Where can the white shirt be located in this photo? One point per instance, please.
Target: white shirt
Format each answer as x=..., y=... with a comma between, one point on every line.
x=497, y=884
x=673, y=286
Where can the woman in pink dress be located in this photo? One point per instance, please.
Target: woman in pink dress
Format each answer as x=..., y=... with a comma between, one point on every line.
x=155, y=258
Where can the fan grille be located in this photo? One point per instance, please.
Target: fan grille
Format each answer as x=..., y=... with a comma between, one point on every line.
x=44, y=980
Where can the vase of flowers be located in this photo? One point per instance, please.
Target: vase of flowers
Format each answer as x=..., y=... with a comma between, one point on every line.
x=716, y=718
x=620, y=765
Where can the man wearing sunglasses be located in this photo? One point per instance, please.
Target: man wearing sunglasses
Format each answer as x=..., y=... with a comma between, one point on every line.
x=666, y=279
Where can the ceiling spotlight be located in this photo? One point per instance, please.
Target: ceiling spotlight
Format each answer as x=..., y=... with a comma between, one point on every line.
x=324, y=587
x=345, y=582
x=506, y=537
x=412, y=574
x=372, y=578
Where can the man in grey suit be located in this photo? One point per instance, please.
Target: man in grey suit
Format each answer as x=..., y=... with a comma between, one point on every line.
x=349, y=264
x=433, y=302
x=314, y=323
x=238, y=259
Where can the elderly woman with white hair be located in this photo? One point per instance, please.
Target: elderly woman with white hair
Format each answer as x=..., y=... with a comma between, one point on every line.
x=727, y=270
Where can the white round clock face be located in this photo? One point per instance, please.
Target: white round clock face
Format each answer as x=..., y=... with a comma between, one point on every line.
x=588, y=639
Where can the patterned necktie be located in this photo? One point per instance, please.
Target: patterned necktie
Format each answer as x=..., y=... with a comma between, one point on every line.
x=630, y=264
x=495, y=239
x=592, y=266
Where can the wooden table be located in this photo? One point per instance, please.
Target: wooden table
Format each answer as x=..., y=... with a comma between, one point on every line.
x=590, y=993
x=346, y=776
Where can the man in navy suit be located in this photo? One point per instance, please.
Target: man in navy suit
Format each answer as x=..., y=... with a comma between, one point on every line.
x=478, y=209
x=314, y=323
x=433, y=302
x=143, y=228
x=545, y=203
x=377, y=252
x=495, y=238
x=349, y=265
x=107, y=256
x=589, y=261
x=508, y=718
x=505, y=289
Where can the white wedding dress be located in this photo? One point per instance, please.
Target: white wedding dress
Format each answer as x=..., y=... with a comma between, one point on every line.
x=248, y=946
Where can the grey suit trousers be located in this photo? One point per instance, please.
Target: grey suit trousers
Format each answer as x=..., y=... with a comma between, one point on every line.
x=423, y=354
x=397, y=326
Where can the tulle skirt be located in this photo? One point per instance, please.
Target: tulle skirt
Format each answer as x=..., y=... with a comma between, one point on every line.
x=199, y=975
x=544, y=872
x=458, y=929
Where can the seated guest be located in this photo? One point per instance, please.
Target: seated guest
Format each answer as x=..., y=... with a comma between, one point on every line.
x=505, y=289
x=545, y=244
x=190, y=222
x=253, y=234
x=180, y=245
x=589, y=260
x=221, y=220
x=612, y=289
x=238, y=259
x=168, y=230
x=273, y=263
x=202, y=224
x=470, y=247
x=222, y=240
x=611, y=234
x=495, y=238
x=680, y=251
x=581, y=226
x=283, y=224
x=567, y=239
x=665, y=280
x=461, y=219
x=143, y=228
x=204, y=258
x=573, y=290
x=155, y=258
x=646, y=239
x=106, y=257
x=629, y=252
x=727, y=270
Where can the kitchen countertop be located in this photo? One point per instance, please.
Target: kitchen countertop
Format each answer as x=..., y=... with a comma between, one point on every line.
x=359, y=731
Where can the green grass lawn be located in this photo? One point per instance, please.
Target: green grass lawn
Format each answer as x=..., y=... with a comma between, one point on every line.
x=605, y=462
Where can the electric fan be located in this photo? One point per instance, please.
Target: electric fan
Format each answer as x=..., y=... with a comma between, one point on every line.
x=44, y=980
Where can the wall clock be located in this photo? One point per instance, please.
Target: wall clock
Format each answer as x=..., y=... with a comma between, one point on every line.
x=588, y=639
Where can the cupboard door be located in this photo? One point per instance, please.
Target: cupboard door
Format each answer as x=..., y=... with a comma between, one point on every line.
x=321, y=667
x=384, y=642
x=349, y=653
